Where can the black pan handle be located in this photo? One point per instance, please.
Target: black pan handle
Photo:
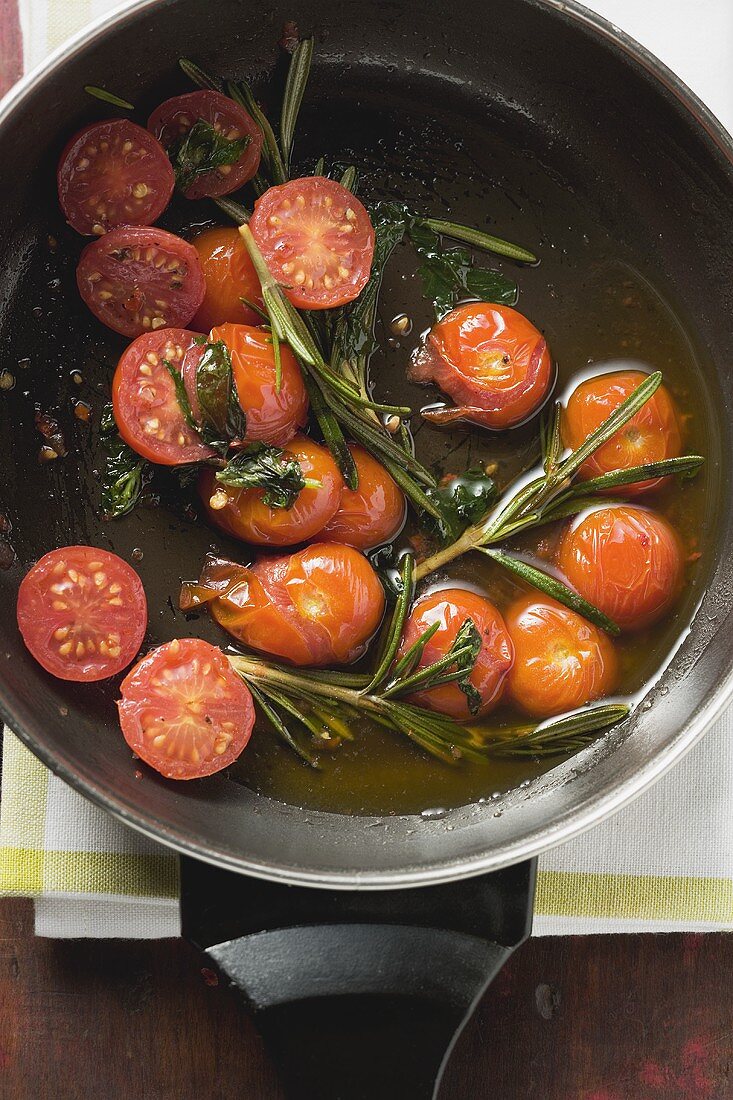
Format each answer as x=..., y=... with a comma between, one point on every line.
x=359, y=996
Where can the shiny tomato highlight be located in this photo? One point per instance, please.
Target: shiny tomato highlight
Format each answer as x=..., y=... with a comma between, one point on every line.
x=243, y=513
x=626, y=561
x=490, y=360
x=561, y=661
x=229, y=276
x=652, y=434
x=372, y=513
x=452, y=607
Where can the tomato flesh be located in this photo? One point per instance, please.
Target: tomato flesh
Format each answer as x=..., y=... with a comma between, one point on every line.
x=82, y=613
x=243, y=513
x=175, y=117
x=146, y=408
x=652, y=434
x=229, y=276
x=113, y=173
x=561, y=661
x=626, y=561
x=317, y=241
x=319, y=606
x=136, y=279
x=184, y=710
x=490, y=360
x=372, y=513
x=451, y=608
x=272, y=416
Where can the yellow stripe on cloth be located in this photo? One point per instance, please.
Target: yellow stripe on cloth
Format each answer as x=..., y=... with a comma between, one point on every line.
x=634, y=897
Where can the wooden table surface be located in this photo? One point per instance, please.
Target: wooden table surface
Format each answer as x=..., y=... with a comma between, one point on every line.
x=587, y=1018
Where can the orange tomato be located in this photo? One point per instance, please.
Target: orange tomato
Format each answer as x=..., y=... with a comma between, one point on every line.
x=371, y=514
x=626, y=561
x=651, y=435
x=243, y=513
x=229, y=276
x=561, y=661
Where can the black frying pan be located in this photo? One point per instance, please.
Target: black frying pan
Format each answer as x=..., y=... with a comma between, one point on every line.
x=576, y=141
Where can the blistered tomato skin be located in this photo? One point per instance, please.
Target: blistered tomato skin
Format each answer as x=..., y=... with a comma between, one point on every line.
x=184, y=710
x=371, y=514
x=243, y=514
x=320, y=606
x=652, y=434
x=229, y=276
x=627, y=561
x=492, y=362
x=272, y=416
x=452, y=607
x=561, y=661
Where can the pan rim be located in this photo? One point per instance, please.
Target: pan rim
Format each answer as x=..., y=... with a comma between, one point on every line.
x=538, y=839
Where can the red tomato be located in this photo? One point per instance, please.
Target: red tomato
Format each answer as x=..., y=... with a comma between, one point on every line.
x=146, y=408
x=82, y=613
x=174, y=118
x=651, y=435
x=184, y=710
x=317, y=607
x=452, y=607
x=561, y=661
x=243, y=513
x=113, y=173
x=371, y=514
x=626, y=561
x=317, y=240
x=272, y=417
x=490, y=360
x=138, y=280
x=229, y=276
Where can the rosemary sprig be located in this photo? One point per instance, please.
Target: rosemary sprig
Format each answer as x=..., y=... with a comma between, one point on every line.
x=198, y=76
x=297, y=79
x=234, y=210
x=277, y=722
x=566, y=735
x=242, y=94
x=477, y=239
x=108, y=97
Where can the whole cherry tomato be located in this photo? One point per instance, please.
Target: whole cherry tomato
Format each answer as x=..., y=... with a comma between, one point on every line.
x=372, y=513
x=626, y=561
x=229, y=276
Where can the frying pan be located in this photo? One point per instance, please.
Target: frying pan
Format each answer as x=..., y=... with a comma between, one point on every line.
x=553, y=120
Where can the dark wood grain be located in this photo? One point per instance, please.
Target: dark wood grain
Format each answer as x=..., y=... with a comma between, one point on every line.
x=592, y=1018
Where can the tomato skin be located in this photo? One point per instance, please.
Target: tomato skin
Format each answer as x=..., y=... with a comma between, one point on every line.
x=451, y=607
x=627, y=561
x=490, y=360
x=246, y=516
x=125, y=275
x=561, y=661
x=229, y=276
x=144, y=401
x=371, y=514
x=272, y=417
x=651, y=435
x=176, y=116
x=317, y=240
x=87, y=602
x=184, y=710
x=130, y=182
x=319, y=606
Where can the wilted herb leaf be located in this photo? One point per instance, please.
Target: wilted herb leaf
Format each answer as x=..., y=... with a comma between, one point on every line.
x=203, y=149
x=462, y=501
x=260, y=466
x=125, y=473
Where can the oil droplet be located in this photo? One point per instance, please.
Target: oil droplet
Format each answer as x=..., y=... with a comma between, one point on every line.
x=401, y=325
x=7, y=380
x=24, y=364
x=137, y=554
x=76, y=377
x=433, y=814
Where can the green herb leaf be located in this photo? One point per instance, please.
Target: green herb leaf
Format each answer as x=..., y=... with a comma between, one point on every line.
x=234, y=210
x=448, y=274
x=181, y=396
x=201, y=150
x=222, y=419
x=125, y=473
x=297, y=79
x=478, y=239
x=108, y=97
x=565, y=735
x=455, y=666
x=198, y=76
x=260, y=466
x=462, y=501
x=272, y=160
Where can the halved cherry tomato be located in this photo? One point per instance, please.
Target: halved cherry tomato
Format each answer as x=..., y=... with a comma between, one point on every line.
x=184, y=710
x=146, y=408
x=136, y=279
x=175, y=117
x=452, y=607
x=491, y=360
x=82, y=613
x=371, y=514
x=319, y=606
x=317, y=240
x=651, y=435
x=243, y=513
x=230, y=276
x=561, y=661
x=626, y=561
x=272, y=417
x=113, y=173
